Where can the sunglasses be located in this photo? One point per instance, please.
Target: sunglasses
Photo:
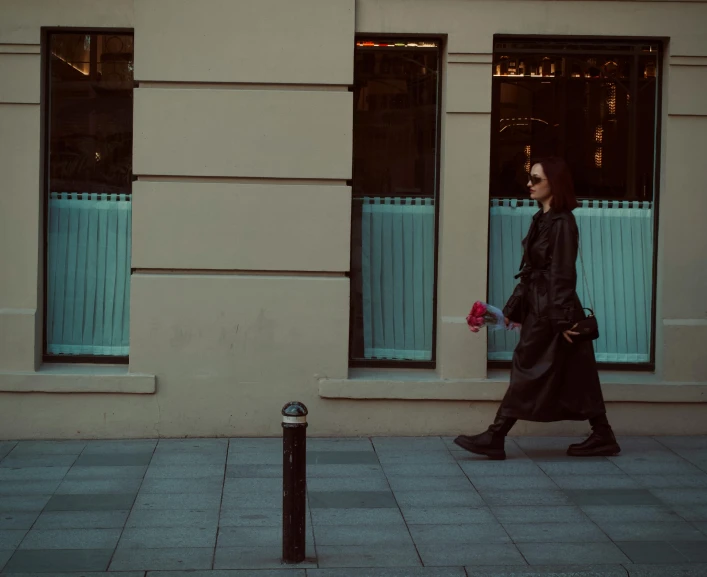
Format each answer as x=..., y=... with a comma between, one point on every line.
x=534, y=179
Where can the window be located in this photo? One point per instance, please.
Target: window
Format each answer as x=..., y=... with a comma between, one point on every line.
x=595, y=103
x=395, y=167
x=88, y=194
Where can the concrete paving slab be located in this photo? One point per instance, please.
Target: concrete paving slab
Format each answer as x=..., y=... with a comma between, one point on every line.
x=71, y=539
x=681, y=496
x=183, y=559
x=33, y=473
x=98, y=486
x=81, y=520
x=319, y=444
x=601, y=514
x=58, y=561
x=472, y=554
x=507, y=482
x=539, y=514
x=489, y=532
x=416, y=483
x=341, y=458
x=13, y=461
x=580, y=467
x=652, y=552
x=481, y=467
x=423, y=470
x=691, y=512
x=112, y=502
x=114, y=459
x=333, y=517
x=351, y=499
x=549, y=571
x=167, y=537
x=396, y=444
x=654, y=531
x=347, y=484
x=26, y=448
x=250, y=517
x=695, y=551
x=672, y=481
x=580, y=553
x=173, y=518
x=390, y=572
x=5, y=555
x=578, y=482
x=416, y=458
x=103, y=447
x=413, y=499
x=375, y=555
x=580, y=532
x=14, y=520
x=448, y=515
x=254, y=558
x=24, y=503
x=340, y=471
x=202, y=485
x=106, y=473
x=528, y=497
x=193, y=501
x=11, y=538
x=613, y=497
x=339, y=535
x=28, y=487
x=185, y=471
x=696, y=570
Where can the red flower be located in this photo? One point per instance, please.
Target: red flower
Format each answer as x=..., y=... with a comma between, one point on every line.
x=478, y=310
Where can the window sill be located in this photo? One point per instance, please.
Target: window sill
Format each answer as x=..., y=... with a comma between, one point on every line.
x=63, y=378
x=617, y=386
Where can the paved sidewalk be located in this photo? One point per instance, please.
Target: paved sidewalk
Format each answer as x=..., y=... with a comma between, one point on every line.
x=378, y=507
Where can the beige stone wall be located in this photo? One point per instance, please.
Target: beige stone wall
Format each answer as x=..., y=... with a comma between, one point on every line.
x=242, y=151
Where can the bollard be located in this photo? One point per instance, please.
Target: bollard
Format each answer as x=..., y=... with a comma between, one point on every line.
x=294, y=481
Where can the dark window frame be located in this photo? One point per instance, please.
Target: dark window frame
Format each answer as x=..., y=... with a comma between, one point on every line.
x=45, y=181
x=662, y=42
x=442, y=52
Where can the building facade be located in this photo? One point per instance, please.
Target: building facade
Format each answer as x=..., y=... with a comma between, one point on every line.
x=211, y=208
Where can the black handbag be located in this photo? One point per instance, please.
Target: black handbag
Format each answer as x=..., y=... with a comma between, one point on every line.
x=588, y=327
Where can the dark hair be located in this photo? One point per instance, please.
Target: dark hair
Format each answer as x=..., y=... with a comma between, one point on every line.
x=561, y=185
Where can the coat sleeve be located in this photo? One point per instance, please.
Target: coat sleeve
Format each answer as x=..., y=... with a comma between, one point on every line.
x=563, y=275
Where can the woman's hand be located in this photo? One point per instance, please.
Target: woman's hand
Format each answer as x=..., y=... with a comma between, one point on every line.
x=569, y=332
x=507, y=321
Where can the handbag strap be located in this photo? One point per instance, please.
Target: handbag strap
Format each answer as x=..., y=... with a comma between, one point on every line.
x=584, y=274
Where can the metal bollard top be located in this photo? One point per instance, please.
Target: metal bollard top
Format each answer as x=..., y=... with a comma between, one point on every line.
x=294, y=412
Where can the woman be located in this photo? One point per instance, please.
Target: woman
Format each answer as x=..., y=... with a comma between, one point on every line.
x=552, y=377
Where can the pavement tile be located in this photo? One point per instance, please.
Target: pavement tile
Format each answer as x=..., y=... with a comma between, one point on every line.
x=546, y=443
x=17, y=520
x=81, y=520
x=672, y=481
x=507, y=498
x=254, y=558
x=24, y=503
x=26, y=448
x=13, y=461
x=202, y=485
x=681, y=496
x=6, y=447
x=539, y=514
x=612, y=497
x=416, y=458
x=549, y=571
x=173, y=518
x=261, y=443
x=390, y=572
x=483, y=467
x=577, y=467
x=693, y=570
x=575, y=482
x=328, y=517
x=5, y=555
x=110, y=473
x=351, y=499
x=11, y=538
x=413, y=499
x=186, y=472
x=251, y=536
x=228, y=573
x=450, y=554
x=33, y=473
x=348, y=444
x=98, y=487
x=193, y=501
x=119, y=446
x=423, y=470
x=489, y=532
x=183, y=559
x=254, y=484
x=167, y=537
x=112, y=502
x=345, y=483
x=695, y=551
x=579, y=553
x=255, y=458
x=258, y=471
x=701, y=525
x=252, y=499
x=691, y=512
x=652, y=552
x=57, y=561
x=71, y=539
x=393, y=535
x=456, y=483
x=341, y=458
x=631, y=445
x=579, y=532
x=194, y=445
x=251, y=517
x=677, y=466
x=175, y=459
x=27, y=487
x=77, y=574
x=339, y=471
x=114, y=460
x=507, y=482
x=371, y=555
x=601, y=514
x=684, y=442
x=396, y=444
x=654, y=531
x=448, y=515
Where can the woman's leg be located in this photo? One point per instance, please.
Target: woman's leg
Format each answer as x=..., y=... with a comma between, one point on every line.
x=492, y=441
x=601, y=442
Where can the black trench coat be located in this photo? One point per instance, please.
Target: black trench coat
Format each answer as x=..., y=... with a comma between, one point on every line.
x=551, y=379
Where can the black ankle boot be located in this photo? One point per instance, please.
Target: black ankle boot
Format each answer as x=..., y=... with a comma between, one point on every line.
x=491, y=442
x=601, y=443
